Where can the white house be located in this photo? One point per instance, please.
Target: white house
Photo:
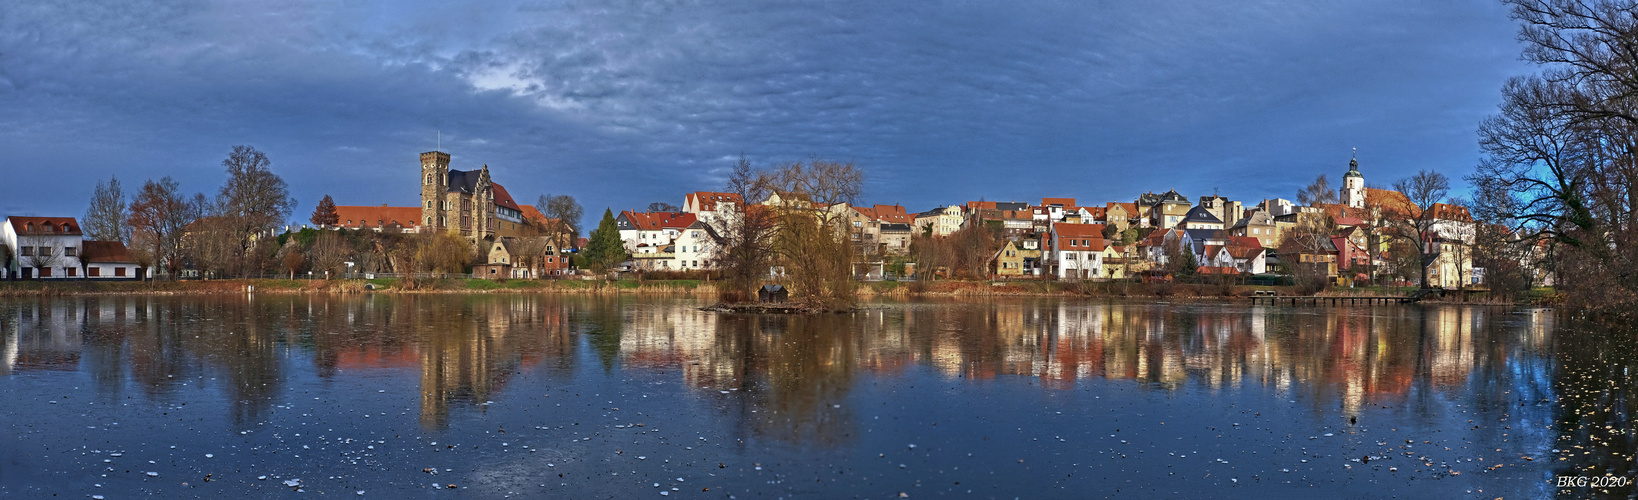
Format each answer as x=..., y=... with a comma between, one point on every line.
x=43, y=247
x=108, y=260
x=1077, y=250
x=644, y=232
x=696, y=247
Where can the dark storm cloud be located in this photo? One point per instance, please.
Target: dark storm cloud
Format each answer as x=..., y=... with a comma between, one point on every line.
x=623, y=103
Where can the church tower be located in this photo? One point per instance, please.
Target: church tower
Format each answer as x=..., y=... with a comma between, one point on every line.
x=434, y=183
x=1353, y=186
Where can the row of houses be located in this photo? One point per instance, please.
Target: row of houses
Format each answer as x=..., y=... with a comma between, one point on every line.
x=1060, y=238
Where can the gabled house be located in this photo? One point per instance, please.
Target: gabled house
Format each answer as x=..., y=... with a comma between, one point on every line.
x=1260, y=225
x=1201, y=218
x=1167, y=210
x=42, y=247
x=1008, y=261
x=712, y=207
x=1077, y=251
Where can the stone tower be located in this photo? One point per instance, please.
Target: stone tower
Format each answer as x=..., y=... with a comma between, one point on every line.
x=1353, y=186
x=434, y=183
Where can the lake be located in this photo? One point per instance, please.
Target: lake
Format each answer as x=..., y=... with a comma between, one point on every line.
x=525, y=395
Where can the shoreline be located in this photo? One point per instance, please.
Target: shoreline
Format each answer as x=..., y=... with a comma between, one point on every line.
x=973, y=289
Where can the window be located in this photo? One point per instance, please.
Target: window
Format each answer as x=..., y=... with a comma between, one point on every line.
x=93, y=272
x=65, y=228
x=71, y=271
x=429, y=181
x=45, y=272
x=45, y=251
x=119, y=271
x=71, y=251
x=26, y=251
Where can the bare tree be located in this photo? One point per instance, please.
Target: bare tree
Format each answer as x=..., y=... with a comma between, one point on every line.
x=1414, y=220
x=660, y=206
x=254, y=199
x=747, y=234
x=563, y=216
x=528, y=254
x=1559, y=163
x=329, y=253
x=159, y=216
x=1317, y=193
x=811, y=237
x=105, y=219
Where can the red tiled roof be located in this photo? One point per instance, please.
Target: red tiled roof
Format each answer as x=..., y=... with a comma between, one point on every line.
x=1065, y=202
x=654, y=221
x=1245, y=241
x=1217, y=270
x=1068, y=230
x=361, y=217
x=23, y=225
x=1244, y=253
x=503, y=198
x=1444, y=211
x=96, y=252
x=532, y=213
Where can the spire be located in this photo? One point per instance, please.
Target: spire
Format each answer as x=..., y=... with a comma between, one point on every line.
x=1353, y=165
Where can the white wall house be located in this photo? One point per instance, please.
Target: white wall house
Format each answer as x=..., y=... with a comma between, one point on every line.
x=43, y=247
x=108, y=260
x=696, y=246
x=1077, y=250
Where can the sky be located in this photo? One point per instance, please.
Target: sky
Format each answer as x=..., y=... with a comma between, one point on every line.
x=624, y=103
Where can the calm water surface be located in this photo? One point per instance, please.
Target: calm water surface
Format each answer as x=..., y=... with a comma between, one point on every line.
x=528, y=396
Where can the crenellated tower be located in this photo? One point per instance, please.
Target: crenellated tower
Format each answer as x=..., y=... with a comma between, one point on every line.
x=434, y=184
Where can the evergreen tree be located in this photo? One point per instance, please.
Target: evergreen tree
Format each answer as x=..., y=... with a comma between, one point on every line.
x=604, y=248
x=325, y=214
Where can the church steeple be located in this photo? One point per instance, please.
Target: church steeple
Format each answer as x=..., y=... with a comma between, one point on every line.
x=1353, y=185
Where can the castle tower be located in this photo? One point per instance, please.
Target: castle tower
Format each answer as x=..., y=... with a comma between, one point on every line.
x=434, y=183
x=1353, y=186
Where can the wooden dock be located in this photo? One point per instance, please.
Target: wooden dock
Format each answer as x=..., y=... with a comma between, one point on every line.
x=1335, y=301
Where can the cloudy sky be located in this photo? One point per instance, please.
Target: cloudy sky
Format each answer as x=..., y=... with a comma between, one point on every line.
x=625, y=103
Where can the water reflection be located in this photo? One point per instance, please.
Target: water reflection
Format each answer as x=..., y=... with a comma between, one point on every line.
x=797, y=372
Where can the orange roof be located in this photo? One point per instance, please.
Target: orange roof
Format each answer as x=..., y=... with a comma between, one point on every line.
x=1390, y=201
x=1445, y=211
x=1241, y=252
x=1217, y=270
x=93, y=252
x=980, y=205
x=1245, y=241
x=361, y=217
x=1068, y=230
x=1065, y=202
x=503, y=198
x=65, y=226
x=886, y=213
x=655, y=221
x=532, y=213
x=707, y=200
